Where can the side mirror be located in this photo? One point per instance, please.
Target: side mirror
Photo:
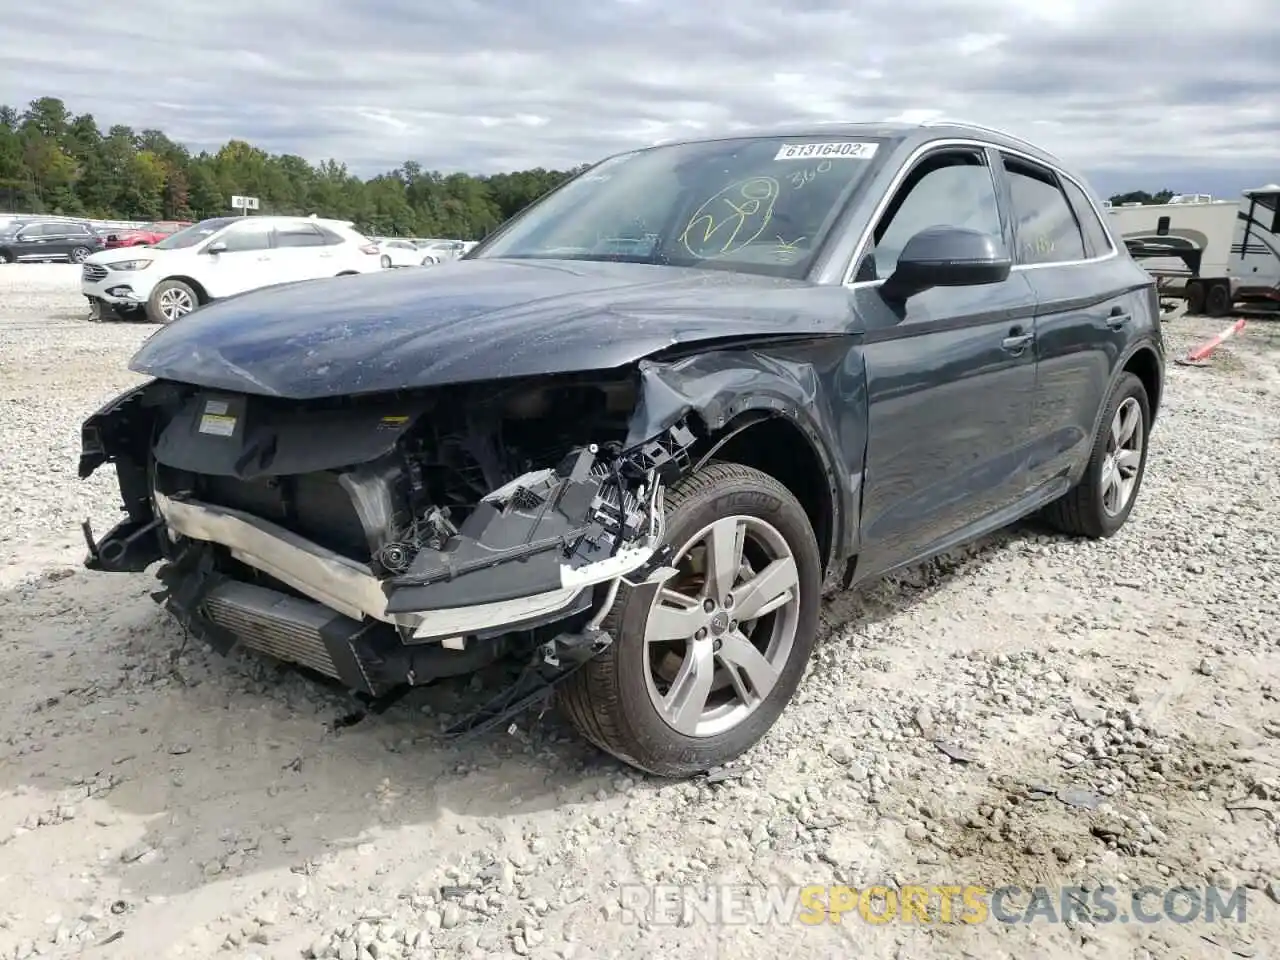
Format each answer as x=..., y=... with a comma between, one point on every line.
x=946, y=257
x=216, y=247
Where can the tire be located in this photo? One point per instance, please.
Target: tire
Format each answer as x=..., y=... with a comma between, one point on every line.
x=386, y=262
x=1195, y=298
x=165, y=295
x=79, y=253
x=6, y=256
x=609, y=700
x=1217, y=301
x=1083, y=510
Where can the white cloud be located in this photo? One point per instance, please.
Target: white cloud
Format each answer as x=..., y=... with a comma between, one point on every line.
x=462, y=84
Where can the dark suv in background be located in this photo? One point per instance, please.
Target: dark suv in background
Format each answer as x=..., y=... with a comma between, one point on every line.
x=46, y=239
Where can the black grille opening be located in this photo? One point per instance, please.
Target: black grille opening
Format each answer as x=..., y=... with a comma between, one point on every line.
x=312, y=505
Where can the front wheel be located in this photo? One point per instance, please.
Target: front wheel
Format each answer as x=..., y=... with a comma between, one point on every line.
x=699, y=674
x=171, y=300
x=1100, y=503
x=386, y=262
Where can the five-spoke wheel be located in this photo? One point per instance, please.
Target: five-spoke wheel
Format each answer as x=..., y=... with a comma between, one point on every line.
x=702, y=666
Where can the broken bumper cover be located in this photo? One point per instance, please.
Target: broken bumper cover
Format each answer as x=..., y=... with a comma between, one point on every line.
x=352, y=589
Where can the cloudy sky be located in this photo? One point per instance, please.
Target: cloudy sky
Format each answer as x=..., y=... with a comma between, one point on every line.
x=1187, y=97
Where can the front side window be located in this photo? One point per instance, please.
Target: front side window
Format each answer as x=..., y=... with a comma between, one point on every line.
x=952, y=189
x=1047, y=229
x=759, y=205
x=1267, y=211
x=195, y=234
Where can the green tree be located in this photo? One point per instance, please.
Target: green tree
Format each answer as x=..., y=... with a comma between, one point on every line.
x=52, y=160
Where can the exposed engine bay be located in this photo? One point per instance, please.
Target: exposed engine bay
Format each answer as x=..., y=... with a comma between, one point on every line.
x=387, y=540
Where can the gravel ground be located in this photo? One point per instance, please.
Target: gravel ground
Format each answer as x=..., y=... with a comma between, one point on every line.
x=1031, y=710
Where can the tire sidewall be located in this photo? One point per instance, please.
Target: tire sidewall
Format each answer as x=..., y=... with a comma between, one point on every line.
x=741, y=496
x=1218, y=300
x=153, y=311
x=1127, y=386
x=83, y=253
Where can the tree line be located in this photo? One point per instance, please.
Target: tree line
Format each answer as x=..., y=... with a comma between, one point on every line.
x=54, y=161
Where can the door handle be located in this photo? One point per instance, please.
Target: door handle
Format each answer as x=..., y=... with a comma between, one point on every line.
x=1118, y=319
x=1016, y=342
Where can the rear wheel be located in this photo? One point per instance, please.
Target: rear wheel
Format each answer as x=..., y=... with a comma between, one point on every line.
x=1217, y=301
x=78, y=254
x=1100, y=503
x=699, y=674
x=171, y=300
x=6, y=256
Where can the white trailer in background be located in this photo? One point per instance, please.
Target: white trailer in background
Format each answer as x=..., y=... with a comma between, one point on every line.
x=1215, y=253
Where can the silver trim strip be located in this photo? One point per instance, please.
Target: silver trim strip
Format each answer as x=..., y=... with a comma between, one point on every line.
x=351, y=588
x=860, y=251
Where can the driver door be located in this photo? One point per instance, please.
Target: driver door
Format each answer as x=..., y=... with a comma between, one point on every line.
x=950, y=375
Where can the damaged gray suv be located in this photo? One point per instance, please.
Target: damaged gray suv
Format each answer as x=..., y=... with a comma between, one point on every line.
x=628, y=442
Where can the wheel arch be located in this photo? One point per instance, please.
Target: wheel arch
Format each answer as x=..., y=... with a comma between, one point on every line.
x=201, y=293
x=1145, y=365
x=785, y=449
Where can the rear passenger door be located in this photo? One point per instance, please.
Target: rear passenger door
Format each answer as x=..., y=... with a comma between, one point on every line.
x=950, y=379
x=303, y=252
x=1087, y=300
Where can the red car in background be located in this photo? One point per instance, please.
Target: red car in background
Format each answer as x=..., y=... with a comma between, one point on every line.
x=145, y=235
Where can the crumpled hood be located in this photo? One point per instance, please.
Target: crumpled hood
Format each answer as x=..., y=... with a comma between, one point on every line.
x=472, y=320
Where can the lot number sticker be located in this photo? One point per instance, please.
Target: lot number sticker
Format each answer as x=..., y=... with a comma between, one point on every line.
x=827, y=151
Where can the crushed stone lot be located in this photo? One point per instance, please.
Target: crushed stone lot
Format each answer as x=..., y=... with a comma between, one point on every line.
x=1029, y=711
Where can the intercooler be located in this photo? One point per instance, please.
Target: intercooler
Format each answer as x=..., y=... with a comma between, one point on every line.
x=284, y=627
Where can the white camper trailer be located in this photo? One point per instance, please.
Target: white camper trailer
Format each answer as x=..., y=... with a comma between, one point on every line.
x=1215, y=253
x=1254, y=267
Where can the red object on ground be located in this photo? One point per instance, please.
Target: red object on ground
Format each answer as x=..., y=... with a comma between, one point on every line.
x=1199, y=353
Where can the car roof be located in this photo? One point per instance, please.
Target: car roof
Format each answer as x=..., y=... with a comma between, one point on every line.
x=917, y=134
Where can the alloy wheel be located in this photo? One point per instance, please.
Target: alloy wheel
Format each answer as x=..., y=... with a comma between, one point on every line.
x=175, y=303
x=720, y=633
x=1123, y=458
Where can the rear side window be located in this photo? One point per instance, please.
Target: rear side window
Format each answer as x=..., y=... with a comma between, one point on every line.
x=329, y=237
x=299, y=235
x=1047, y=229
x=1095, y=234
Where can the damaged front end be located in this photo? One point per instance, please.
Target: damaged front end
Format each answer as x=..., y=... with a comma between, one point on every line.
x=389, y=541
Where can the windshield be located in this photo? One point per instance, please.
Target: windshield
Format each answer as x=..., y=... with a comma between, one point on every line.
x=196, y=233
x=758, y=205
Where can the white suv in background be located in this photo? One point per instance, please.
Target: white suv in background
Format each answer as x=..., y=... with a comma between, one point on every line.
x=220, y=258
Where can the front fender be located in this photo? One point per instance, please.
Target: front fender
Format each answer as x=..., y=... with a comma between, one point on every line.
x=818, y=385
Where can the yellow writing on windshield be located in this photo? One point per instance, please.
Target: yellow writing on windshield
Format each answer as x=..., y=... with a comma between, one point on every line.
x=731, y=219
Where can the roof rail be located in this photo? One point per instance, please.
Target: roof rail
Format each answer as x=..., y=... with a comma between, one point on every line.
x=951, y=121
